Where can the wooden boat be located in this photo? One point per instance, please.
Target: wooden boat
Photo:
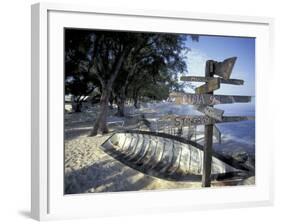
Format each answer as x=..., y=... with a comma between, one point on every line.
x=167, y=156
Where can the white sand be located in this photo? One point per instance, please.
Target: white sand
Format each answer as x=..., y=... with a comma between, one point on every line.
x=89, y=169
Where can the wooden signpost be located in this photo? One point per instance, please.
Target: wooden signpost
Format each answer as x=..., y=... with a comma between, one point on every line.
x=206, y=79
x=211, y=112
x=189, y=120
x=210, y=86
x=207, y=99
x=204, y=99
x=224, y=68
x=208, y=140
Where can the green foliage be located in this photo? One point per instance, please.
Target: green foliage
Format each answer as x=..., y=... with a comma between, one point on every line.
x=149, y=67
x=78, y=81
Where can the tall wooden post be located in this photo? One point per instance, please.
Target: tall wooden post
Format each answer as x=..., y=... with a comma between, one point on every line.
x=204, y=99
x=208, y=142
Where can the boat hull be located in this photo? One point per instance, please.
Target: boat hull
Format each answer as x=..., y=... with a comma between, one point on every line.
x=167, y=156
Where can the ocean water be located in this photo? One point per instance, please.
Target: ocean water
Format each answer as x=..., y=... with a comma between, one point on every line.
x=242, y=133
x=236, y=136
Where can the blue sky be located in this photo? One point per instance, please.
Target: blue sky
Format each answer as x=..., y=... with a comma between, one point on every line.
x=219, y=48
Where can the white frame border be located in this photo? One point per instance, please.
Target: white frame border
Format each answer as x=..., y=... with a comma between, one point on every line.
x=39, y=110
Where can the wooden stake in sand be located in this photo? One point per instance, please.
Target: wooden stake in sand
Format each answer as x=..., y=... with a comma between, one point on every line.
x=204, y=99
x=208, y=141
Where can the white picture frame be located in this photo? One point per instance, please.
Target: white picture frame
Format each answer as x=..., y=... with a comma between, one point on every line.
x=48, y=201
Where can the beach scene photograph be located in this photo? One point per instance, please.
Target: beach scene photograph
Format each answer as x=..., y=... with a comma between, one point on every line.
x=150, y=111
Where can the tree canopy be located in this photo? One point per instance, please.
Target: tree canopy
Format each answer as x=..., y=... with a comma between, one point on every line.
x=123, y=65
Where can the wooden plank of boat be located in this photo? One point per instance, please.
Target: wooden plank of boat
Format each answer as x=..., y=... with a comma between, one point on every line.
x=194, y=162
x=138, y=148
x=144, y=152
x=211, y=111
x=176, y=162
x=128, y=143
x=185, y=142
x=184, y=165
x=131, y=149
x=210, y=86
x=170, y=159
x=123, y=143
x=162, y=163
x=188, y=120
x=208, y=79
x=150, y=153
x=161, y=160
x=207, y=99
x=134, y=146
x=158, y=155
x=133, y=141
x=200, y=155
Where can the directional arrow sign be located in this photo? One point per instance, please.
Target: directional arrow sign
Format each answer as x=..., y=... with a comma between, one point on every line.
x=207, y=79
x=211, y=112
x=207, y=99
x=210, y=86
x=202, y=120
x=224, y=68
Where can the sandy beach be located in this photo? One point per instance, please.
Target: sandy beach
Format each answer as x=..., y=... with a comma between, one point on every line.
x=90, y=170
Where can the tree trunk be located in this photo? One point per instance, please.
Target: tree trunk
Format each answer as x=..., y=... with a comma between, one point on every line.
x=111, y=99
x=136, y=97
x=121, y=102
x=121, y=108
x=77, y=106
x=100, y=125
x=136, y=102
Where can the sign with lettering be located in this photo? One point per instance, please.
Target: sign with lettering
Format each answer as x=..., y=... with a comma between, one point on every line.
x=207, y=79
x=211, y=111
x=210, y=86
x=207, y=99
x=182, y=120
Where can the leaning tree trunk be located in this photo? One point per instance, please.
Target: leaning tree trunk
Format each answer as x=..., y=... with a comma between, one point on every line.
x=100, y=123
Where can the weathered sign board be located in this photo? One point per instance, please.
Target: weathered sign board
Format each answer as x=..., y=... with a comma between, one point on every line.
x=188, y=120
x=207, y=99
x=224, y=68
x=208, y=79
x=204, y=99
x=210, y=86
x=211, y=111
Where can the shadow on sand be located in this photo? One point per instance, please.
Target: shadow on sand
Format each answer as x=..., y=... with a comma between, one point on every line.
x=105, y=176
